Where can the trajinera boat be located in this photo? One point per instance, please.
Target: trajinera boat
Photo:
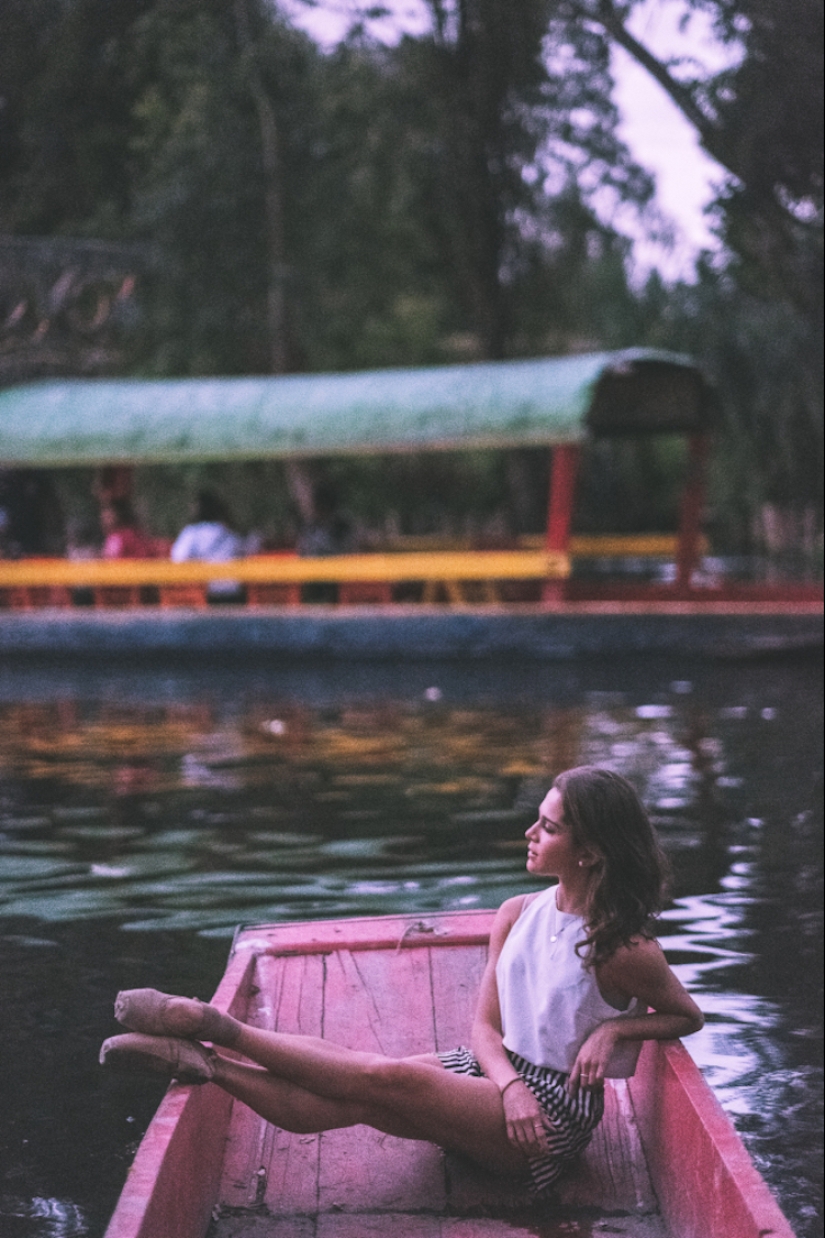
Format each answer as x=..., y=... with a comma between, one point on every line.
x=411, y=597
x=664, y=1163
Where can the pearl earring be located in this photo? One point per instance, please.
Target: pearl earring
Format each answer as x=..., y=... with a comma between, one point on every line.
x=581, y=863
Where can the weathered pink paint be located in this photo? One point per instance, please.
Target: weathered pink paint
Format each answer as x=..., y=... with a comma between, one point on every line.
x=173, y=1182
x=704, y=1178
x=406, y=984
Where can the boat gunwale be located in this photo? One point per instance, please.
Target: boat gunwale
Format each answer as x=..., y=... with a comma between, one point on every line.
x=743, y=1205
x=151, y=1192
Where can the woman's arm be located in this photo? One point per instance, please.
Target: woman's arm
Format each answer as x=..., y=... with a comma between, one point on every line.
x=523, y=1114
x=641, y=971
x=486, y=1036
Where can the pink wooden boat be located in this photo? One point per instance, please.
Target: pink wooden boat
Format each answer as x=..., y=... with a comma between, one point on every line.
x=665, y=1163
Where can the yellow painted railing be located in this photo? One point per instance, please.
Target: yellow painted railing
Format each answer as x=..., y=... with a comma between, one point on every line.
x=623, y=545
x=636, y=546
x=277, y=569
x=582, y=545
x=457, y=575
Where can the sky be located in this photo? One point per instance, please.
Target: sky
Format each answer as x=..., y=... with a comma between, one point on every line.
x=663, y=141
x=659, y=137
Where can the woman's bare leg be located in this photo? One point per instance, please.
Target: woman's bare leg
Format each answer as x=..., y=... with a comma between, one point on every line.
x=285, y=1104
x=295, y=1109
x=412, y=1097
x=318, y=1086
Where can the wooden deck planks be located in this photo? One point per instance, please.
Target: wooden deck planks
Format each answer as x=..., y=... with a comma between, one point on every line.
x=261, y=1226
x=296, y=986
x=380, y=1001
x=612, y=1175
x=409, y=1225
x=456, y=976
x=264, y=1164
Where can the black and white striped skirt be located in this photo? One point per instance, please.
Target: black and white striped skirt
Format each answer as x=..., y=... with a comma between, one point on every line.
x=571, y=1120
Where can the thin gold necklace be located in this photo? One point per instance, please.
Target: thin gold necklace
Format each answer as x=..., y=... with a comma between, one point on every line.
x=558, y=932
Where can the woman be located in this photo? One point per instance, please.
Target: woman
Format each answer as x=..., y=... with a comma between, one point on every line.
x=123, y=538
x=575, y=981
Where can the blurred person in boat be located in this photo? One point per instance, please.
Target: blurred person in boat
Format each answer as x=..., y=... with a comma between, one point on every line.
x=211, y=536
x=328, y=531
x=31, y=516
x=574, y=983
x=123, y=537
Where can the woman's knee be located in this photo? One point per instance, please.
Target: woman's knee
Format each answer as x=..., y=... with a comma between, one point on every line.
x=392, y=1077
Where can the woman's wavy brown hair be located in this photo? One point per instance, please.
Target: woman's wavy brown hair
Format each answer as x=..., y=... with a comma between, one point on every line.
x=603, y=812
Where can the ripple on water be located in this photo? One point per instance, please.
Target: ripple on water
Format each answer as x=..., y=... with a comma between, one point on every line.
x=43, y=1218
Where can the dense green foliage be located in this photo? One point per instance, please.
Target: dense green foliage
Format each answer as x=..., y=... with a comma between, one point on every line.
x=434, y=195
x=433, y=201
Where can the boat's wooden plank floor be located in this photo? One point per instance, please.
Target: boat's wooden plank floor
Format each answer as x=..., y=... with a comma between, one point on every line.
x=359, y=1183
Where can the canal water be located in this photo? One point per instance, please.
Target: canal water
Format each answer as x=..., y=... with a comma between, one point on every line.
x=146, y=812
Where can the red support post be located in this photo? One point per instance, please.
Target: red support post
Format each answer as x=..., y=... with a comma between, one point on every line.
x=564, y=466
x=690, y=522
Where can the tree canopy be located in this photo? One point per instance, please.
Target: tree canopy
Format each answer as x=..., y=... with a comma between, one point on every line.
x=439, y=199
x=761, y=119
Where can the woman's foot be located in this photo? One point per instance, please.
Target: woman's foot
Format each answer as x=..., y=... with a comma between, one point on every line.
x=159, y=1055
x=163, y=1014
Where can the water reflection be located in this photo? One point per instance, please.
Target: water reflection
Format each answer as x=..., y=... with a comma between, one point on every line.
x=201, y=818
x=55, y=1218
x=149, y=817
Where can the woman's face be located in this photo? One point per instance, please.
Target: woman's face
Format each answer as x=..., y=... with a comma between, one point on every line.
x=551, y=851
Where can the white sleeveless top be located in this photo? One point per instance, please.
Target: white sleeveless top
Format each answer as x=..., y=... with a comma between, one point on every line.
x=549, y=1001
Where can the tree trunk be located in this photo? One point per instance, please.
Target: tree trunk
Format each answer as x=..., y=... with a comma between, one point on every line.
x=277, y=270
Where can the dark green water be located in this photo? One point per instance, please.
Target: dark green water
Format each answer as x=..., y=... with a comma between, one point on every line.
x=144, y=813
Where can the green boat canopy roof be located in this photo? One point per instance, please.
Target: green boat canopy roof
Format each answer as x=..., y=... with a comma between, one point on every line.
x=501, y=404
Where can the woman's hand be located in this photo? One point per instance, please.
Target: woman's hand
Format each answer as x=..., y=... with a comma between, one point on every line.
x=591, y=1061
x=525, y=1118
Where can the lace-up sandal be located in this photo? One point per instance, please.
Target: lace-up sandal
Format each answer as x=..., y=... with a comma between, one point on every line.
x=148, y=1011
x=183, y=1060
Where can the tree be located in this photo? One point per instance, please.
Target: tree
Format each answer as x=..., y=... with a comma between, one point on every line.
x=196, y=189
x=761, y=355
x=514, y=106
x=273, y=185
x=336, y=210
x=762, y=120
x=66, y=116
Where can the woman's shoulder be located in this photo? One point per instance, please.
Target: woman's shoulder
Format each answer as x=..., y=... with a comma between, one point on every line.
x=509, y=912
x=639, y=959
x=511, y=907
x=514, y=906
